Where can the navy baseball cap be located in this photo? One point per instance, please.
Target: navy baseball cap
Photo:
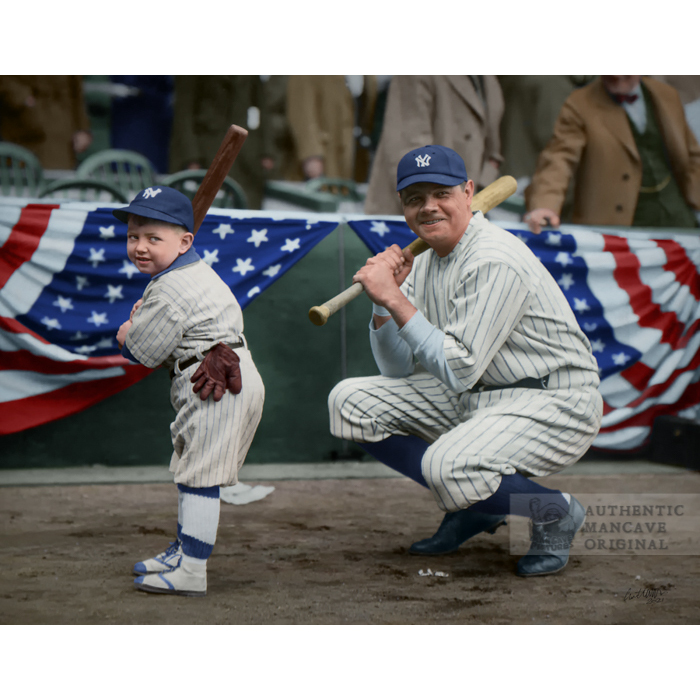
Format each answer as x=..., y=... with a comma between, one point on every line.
x=161, y=203
x=437, y=164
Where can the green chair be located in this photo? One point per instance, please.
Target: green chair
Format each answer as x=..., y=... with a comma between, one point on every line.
x=21, y=174
x=230, y=196
x=128, y=171
x=83, y=190
x=338, y=187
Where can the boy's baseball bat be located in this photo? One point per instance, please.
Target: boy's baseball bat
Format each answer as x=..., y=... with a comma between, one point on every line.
x=217, y=172
x=490, y=197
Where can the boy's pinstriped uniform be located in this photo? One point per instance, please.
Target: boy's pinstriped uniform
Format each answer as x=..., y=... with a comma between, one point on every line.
x=505, y=319
x=186, y=311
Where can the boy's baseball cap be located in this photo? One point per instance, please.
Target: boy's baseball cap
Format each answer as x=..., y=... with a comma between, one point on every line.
x=161, y=203
x=437, y=164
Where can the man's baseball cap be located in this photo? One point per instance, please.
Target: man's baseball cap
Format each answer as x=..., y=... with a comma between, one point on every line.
x=437, y=164
x=161, y=203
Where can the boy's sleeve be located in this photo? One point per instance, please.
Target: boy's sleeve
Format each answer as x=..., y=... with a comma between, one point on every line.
x=156, y=331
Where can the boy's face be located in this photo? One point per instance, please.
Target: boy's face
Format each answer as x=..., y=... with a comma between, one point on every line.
x=154, y=247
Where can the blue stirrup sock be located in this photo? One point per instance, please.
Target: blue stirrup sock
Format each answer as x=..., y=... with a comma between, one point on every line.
x=402, y=453
x=198, y=520
x=518, y=495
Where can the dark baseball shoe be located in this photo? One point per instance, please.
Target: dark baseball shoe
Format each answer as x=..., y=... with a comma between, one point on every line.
x=550, y=543
x=165, y=561
x=455, y=529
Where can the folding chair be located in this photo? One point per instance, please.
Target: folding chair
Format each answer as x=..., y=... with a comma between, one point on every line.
x=21, y=174
x=83, y=190
x=128, y=171
x=230, y=196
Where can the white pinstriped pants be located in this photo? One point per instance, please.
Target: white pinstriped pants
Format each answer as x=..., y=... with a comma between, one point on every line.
x=474, y=437
x=211, y=438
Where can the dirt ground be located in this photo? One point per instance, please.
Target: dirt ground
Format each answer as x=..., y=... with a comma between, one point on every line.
x=315, y=553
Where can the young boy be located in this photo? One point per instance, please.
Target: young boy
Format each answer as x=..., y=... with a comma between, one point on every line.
x=189, y=316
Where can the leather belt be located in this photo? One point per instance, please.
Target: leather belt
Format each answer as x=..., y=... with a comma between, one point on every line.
x=527, y=383
x=184, y=364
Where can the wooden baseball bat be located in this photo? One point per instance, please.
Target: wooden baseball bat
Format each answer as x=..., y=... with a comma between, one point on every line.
x=216, y=174
x=490, y=197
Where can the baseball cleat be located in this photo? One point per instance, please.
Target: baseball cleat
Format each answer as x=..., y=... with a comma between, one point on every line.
x=180, y=581
x=165, y=561
x=455, y=529
x=550, y=543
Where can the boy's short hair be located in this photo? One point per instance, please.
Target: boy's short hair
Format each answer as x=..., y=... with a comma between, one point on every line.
x=139, y=220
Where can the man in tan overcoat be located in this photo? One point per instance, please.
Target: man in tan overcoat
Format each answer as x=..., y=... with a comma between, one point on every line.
x=45, y=114
x=321, y=115
x=458, y=111
x=594, y=143
x=205, y=107
x=532, y=105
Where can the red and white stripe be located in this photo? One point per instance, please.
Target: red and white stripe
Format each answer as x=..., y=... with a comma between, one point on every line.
x=653, y=306
x=40, y=381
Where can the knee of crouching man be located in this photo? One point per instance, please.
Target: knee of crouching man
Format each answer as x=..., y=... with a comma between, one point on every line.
x=339, y=403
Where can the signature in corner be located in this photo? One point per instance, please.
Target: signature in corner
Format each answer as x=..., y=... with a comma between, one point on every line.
x=650, y=595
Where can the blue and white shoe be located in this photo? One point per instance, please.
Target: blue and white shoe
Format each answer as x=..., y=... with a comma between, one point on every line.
x=166, y=561
x=181, y=581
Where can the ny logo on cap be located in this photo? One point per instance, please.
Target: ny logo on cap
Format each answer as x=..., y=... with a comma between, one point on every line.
x=423, y=161
x=150, y=192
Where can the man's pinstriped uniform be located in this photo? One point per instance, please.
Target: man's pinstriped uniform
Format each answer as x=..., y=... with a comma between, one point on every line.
x=504, y=319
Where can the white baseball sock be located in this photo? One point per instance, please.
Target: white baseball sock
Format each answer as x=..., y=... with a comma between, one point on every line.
x=198, y=523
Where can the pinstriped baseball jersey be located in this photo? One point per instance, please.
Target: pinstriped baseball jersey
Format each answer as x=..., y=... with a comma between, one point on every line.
x=186, y=311
x=503, y=319
x=504, y=316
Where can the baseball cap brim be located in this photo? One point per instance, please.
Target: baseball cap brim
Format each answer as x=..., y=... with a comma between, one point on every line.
x=435, y=178
x=144, y=210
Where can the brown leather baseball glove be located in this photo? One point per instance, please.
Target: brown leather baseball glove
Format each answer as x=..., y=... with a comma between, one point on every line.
x=218, y=371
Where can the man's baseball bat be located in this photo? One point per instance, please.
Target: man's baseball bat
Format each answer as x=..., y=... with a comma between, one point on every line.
x=217, y=172
x=490, y=197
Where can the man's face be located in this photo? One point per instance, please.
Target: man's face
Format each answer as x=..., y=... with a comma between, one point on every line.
x=438, y=214
x=154, y=247
x=620, y=84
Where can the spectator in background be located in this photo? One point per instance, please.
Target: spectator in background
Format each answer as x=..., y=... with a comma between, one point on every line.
x=688, y=87
x=46, y=114
x=364, y=89
x=142, y=117
x=532, y=105
x=383, y=82
x=282, y=158
x=461, y=112
x=321, y=114
x=205, y=106
x=636, y=162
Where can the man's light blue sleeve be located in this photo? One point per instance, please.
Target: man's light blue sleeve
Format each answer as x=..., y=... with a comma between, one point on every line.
x=392, y=354
x=427, y=343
